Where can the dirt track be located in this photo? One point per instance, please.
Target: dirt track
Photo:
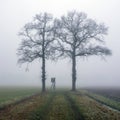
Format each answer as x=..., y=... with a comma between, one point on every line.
x=60, y=106
x=63, y=108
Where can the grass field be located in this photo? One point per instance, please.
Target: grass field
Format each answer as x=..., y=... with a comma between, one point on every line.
x=11, y=94
x=107, y=97
x=57, y=105
x=112, y=93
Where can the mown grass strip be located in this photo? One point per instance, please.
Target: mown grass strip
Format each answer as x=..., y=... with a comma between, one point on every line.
x=60, y=108
x=4, y=106
x=23, y=110
x=40, y=113
x=104, y=100
x=78, y=114
x=92, y=110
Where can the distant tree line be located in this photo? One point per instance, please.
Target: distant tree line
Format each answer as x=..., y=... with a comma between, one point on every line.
x=73, y=35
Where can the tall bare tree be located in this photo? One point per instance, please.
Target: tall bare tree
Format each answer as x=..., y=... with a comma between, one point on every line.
x=78, y=36
x=37, y=37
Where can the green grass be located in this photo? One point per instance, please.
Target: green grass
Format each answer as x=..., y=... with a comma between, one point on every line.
x=40, y=113
x=9, y=95
x=92, y=110
x=57, y=105
x=104, y=100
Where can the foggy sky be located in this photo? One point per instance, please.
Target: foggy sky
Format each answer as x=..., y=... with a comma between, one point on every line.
x=94, y=71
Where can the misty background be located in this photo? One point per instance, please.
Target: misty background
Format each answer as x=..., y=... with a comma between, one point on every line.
x=93, y=71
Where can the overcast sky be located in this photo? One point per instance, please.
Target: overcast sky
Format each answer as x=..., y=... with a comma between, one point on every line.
x=91, y=72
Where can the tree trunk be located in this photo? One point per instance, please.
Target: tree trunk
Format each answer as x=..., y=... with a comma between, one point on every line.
x=43, y=65
x=73, y=73
x=43, y=74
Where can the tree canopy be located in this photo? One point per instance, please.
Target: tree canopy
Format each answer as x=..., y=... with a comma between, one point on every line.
x=73, y=35
x=79, y=36
x=37, y=38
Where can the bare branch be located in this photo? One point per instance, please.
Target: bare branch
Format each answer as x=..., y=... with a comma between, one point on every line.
x=36, y=38
x=97, y=50
x=77, y=31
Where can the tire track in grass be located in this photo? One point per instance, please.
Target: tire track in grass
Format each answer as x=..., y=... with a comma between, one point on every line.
x=77, y=113
x=60, y=109
x=41, y=112
x=6, y=106
x=111, y=104
x=92, y=110
x=64, y=107
x=104, y=101
x=22, y=110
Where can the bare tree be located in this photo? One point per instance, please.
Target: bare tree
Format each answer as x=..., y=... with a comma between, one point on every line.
x=37, y=37
x=78, y=36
